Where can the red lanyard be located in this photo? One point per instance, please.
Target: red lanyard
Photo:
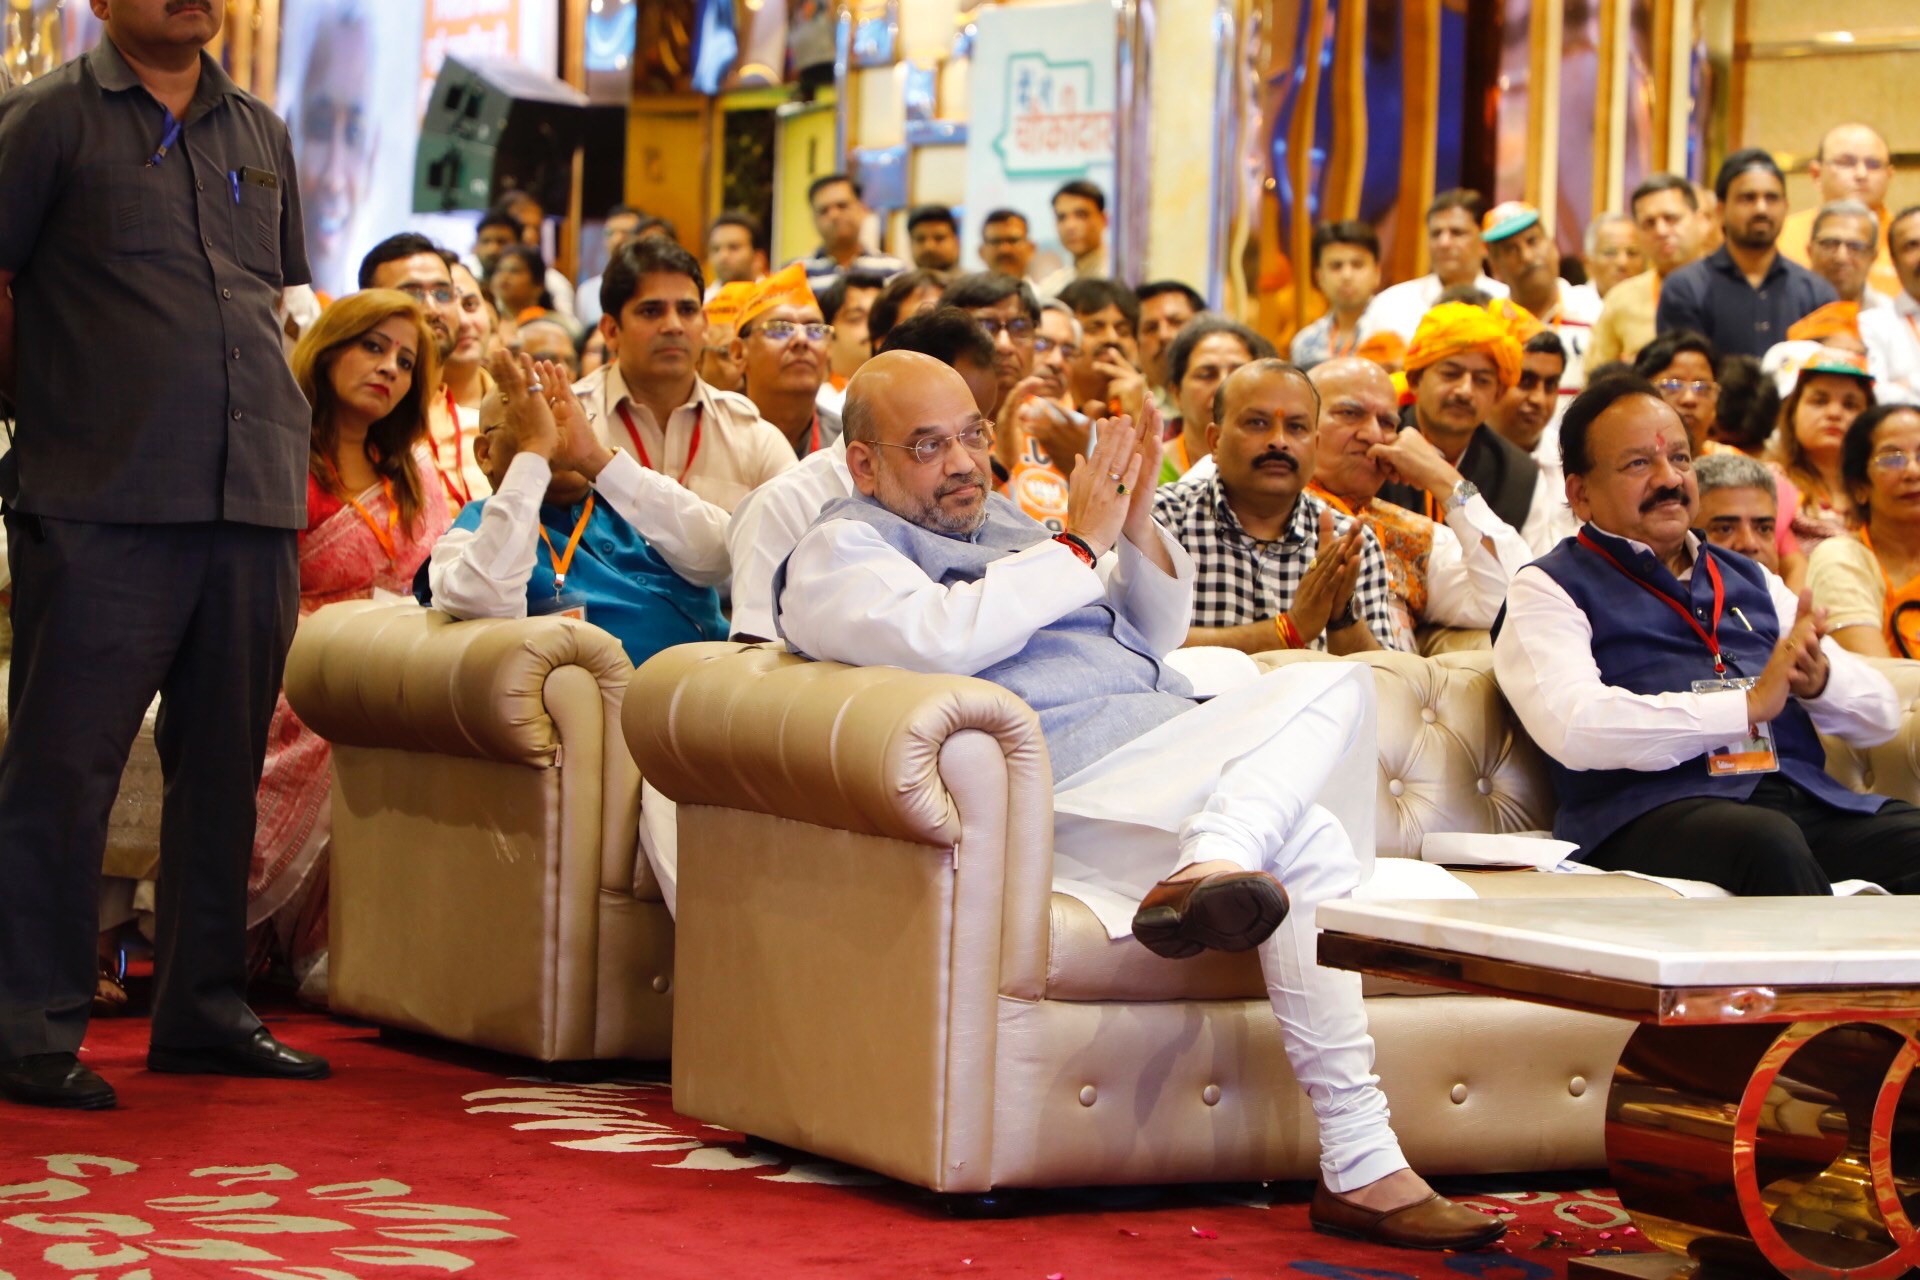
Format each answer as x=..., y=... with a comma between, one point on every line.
x=815, y=446
x=455, y=476
x=693, y=450
x=385, y=537
x=1334, y=349
x=561, y=563
x=1710, y=638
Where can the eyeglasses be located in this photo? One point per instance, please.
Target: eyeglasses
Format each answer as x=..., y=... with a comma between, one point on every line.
x=1047, y=346
x=1018, y=329
x=1892, y=460
x=928, y=449
x=1681, y=386
x=441, y=294
x=784, y=330
x=1871, y=164
x=1834, y=244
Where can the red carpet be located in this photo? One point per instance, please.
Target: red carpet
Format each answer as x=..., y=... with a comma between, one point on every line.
x=419, y=1159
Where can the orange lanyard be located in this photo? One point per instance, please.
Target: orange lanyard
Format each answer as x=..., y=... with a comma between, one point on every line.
x=693, y=450
x=385, y=537
x=1327, y=497
x=561, y=563
x=1334, y=349
x=1180, y=443
x=455, y=476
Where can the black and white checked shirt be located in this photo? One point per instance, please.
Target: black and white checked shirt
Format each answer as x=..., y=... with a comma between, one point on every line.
x=1240, y=579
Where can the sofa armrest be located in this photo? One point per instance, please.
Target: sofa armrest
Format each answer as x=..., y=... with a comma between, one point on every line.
x=1893, y=767
x=384, y=675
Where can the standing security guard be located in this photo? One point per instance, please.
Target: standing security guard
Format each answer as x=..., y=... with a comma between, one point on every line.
x=152, y=497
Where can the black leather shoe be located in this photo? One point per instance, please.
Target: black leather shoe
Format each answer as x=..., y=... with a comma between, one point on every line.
x=258, y=1055
x=54, y=1080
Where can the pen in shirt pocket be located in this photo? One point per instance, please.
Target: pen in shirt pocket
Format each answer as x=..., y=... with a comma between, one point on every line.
x=233, y=181
x=1742, y=617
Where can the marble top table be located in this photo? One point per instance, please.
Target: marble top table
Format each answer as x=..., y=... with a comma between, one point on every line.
x=1669, y=962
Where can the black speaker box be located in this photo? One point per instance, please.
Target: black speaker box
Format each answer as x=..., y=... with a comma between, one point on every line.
x=494, y=126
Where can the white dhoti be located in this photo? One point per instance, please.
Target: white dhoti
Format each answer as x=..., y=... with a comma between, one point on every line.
x=1276, y=775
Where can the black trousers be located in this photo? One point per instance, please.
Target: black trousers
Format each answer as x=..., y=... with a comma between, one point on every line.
x=104, y=617
x=1782, y=842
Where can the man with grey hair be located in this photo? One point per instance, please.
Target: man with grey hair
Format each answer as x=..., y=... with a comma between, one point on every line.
x=1841, y=248
x=1613, y=252
x=1739, y=507
x=1174, y=821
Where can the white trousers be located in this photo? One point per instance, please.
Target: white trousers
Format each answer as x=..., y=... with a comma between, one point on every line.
x=1297, y=736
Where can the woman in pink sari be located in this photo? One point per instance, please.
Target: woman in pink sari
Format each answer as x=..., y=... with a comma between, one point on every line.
x=374, y=508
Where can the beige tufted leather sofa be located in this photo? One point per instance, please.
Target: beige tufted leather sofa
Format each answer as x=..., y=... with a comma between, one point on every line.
x=487, y=882
x=872, y=965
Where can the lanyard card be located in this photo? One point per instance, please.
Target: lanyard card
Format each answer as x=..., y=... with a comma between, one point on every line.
x=564, y=604
x=1751, y=754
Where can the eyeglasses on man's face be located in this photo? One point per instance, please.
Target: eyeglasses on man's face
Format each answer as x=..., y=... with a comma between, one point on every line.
x=787, y=330
x=1670, y=388
x=1047, y=346
x=1838, y=244
x=1019, y=328
x=439, y=294
x=929, y=449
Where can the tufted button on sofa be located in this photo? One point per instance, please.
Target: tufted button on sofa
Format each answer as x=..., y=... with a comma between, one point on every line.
x=487, y=885
x=872, y=964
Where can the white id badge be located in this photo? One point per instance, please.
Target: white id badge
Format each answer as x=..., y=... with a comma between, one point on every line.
x=1751, y=754
x=567, y=604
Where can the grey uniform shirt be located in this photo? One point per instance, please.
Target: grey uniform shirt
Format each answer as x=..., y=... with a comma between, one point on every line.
x=152, y=383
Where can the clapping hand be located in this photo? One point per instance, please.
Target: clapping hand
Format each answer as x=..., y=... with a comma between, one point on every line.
x=1326, y=589
x=1102, y=490
x=579, y=448
x=529, y=416
x=1797, y=667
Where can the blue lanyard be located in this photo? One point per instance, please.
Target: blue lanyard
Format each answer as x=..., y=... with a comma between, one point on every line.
x=167, y=139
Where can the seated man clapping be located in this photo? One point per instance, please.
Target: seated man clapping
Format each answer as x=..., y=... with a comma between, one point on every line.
x=1189, y=825
x=1679, y=690
x=574, y=527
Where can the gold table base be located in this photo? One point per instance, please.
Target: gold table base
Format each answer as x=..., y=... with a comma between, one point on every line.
x=1771, y=1132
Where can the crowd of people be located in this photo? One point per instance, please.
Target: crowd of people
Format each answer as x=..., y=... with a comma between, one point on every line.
x=1681, y=495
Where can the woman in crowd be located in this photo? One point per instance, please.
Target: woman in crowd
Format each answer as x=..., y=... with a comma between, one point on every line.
x=1832, y=389
x=517, y=284
x=466, y=374
x=374, y=509
x=1869, y=581
x=1684, y=368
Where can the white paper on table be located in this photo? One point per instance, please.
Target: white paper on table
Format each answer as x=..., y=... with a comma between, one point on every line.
x=1479, y=849
x=1395, y=878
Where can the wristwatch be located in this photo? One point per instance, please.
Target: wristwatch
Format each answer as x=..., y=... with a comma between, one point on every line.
x=1345, y=620
x=1463, y=493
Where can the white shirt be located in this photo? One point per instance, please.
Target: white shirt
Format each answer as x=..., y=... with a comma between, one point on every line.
x=738, y=449
x=1573, y=320
x=768, y=524
x=852, y=598
x=1400, y=307
x=1892, y=338
x=1094, y=265
x=1467, y=583
x=1549, y=519
x=483, y=573
x=586, y=304
x=1543, y=661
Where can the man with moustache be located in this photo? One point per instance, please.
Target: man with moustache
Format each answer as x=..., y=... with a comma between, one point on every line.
x=1524, y=411
x=1266, y=785
x=418, y=267
x=1458, y=256
x=840, y=215
x=1275, y=566
x=1165, y=308
x=1201, y=358
x=1852, y=163
x=935, y=237
x=1527, y=261
x=781, y=346
x=1666, y=213
x=1846, y=235
x=1446, y=573
x=847, y=305
x=1678, y=690
x=1892, y=335
x=576, y=528
x=1739, y=506
x=1745, y=294
x=736, y=250
x=1107, y=376
x=150, y=220
x=1080, y=220
x=1462, y=360
x=1613, y=253
x=1005, y=245
x=651, y=402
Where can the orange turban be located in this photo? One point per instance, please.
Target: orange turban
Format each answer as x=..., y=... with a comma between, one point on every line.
x=1453, y=328
x=1835, y=317
x=723, y=309
x=786, y=287
x=1386, y=349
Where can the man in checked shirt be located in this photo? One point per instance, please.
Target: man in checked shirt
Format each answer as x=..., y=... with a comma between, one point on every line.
x=1276, y=567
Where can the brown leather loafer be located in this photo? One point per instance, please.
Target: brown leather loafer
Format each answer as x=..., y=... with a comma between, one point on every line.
x=1226, y=911
x=1433, y=1223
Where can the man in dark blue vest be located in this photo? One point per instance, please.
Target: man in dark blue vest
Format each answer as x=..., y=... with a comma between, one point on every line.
x=1174, y=821
x=1679, y=689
